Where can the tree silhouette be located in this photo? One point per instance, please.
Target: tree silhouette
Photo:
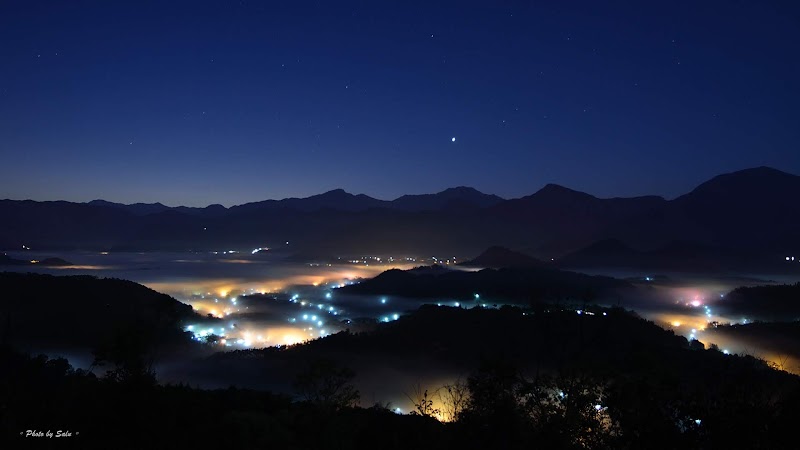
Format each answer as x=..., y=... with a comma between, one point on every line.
x=326, y=384
x=454, y=398
x=423, y=404
x=128, y=356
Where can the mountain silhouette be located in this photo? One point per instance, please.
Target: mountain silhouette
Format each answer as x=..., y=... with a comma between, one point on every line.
x=497, y=257
x=140, y=209
x=675, y=256
x=453, y=198
x=522, y=284
x=608, y=252
x=753, y=211
x=761, y=202
x=566, y=219
x=337, y=199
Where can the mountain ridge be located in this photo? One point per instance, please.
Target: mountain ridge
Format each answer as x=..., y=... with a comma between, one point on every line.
x=750, y=210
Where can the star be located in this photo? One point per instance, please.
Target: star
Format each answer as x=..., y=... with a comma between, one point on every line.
x=452, y=139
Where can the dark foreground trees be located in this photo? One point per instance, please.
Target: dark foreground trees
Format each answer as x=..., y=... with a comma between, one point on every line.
x=328, y=385
x=497, y=407
x=37, y=393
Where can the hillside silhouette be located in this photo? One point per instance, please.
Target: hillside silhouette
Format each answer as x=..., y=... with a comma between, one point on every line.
x=680, y=256
x=778, y=302
x=521, y=284
x=497, y=257
x=85, y=311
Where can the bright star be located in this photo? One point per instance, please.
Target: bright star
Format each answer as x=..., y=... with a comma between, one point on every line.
x=453, y=139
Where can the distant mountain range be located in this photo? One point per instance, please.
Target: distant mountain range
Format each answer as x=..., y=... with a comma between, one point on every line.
x=338, y=200
x=753, y=211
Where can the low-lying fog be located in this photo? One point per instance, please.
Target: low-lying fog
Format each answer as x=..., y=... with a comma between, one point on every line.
x=260, y=300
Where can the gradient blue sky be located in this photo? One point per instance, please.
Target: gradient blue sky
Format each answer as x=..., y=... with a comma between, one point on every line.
x=201, y=102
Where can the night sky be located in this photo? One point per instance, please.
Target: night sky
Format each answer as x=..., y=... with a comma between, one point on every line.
x=205, y=102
